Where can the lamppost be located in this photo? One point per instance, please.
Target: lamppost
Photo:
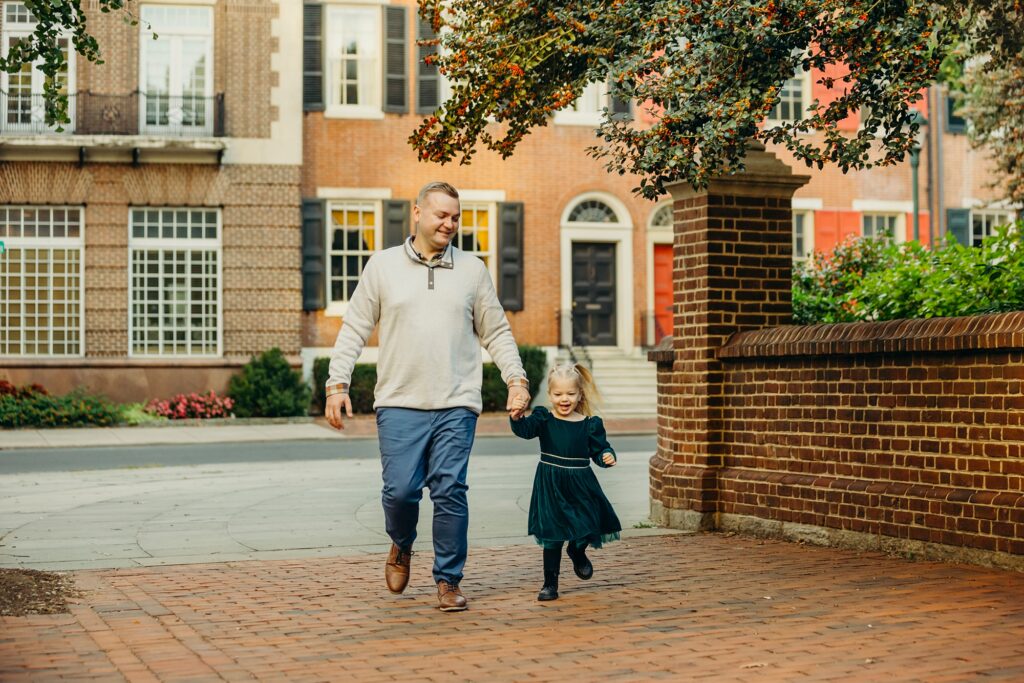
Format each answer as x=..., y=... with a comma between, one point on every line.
x=915, y=163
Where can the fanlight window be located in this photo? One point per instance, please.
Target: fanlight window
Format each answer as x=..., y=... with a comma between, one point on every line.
x=662, y=217
x=592, y=211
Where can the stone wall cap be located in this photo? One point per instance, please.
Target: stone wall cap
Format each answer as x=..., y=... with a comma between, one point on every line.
x=969, y=333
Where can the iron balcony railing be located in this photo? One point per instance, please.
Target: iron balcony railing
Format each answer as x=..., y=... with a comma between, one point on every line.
x=132, y=114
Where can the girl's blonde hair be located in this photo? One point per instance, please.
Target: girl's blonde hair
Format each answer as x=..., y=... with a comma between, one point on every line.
x=590, y=397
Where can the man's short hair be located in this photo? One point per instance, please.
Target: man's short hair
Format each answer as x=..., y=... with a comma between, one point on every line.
x=436, y=186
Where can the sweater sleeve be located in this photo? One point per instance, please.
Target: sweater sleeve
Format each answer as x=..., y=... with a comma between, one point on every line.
x=361, y=317
x=529, y=427
x=493, y=329
x=598, y=442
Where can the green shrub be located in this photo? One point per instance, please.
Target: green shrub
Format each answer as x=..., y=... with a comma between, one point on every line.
x=872, y=280
x=822, y=284
x=360, y=389
x=535, y=362
x=268, y=387
x=76, y=409
x=364, y=379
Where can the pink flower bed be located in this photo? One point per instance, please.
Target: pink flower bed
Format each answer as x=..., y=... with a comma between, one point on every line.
x=185, y=406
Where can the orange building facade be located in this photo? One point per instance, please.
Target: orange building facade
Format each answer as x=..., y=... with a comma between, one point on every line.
x=262, y=146
x=593, y=260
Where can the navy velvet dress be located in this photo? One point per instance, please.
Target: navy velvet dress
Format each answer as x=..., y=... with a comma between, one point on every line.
x=567, y=502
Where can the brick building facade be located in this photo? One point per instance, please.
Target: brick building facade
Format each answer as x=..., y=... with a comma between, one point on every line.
x=282, y=127
x=152, y=246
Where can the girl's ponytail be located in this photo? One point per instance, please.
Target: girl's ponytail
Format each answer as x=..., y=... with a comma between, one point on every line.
x=590, y=397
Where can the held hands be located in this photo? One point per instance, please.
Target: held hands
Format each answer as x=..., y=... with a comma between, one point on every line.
x=608, y=459
x=332, y=409
x=518, y=400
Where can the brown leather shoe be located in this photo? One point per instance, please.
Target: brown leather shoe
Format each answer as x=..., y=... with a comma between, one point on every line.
x=449, y=597
x=396, y=571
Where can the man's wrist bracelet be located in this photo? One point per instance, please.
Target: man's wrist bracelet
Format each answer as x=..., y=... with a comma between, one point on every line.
x=334, y=389
x=519, y=382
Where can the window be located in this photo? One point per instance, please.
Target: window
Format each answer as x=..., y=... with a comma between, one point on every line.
x=41, y=310
x=174, y=256
x=353, y=234
x=353, y=61
x=662, y=217
x=880, y=225
x=592, y=211
x=793, y=99
x=588, y=107
x=176, y=70
x=477, y=232
x=21, y=93
x=983, y=224
x=803, y=234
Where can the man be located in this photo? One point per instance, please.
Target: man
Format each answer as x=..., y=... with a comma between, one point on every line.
x=435, y=305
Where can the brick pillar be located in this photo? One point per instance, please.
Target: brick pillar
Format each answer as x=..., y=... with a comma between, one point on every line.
x=731, y=258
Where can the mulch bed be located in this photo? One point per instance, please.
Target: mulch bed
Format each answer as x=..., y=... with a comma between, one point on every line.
x=28, y=591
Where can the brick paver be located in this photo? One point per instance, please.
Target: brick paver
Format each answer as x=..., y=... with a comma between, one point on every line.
x=678, y=607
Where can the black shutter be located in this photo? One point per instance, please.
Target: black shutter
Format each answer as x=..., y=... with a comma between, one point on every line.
x=510, y=255
x=428, y=80
x=958, y=224
x=396, y=222
x=312, y=58
x=314, y=293
x=954, y=122
x=395, y=51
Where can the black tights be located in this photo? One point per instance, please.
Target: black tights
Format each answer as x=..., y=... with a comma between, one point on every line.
x=553, y=556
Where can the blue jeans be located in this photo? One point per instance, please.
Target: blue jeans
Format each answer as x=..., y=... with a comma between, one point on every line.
x=428, y=448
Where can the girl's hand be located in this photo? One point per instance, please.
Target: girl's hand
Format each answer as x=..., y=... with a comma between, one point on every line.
x=608, y=459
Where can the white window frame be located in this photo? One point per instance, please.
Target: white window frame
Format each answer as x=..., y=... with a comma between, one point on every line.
x=374, y=107
x=898, y=228
x=338, y=308
x=37, y=109
x=176, y=244
x=807, y=233
x=595, y=98
x=990, y=218
x=67, y=243
x=175, y=35
x=803, y=79
x=492, y=229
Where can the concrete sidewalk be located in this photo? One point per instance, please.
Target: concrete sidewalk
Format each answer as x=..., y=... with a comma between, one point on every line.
x=676, y=607
x=240, y=431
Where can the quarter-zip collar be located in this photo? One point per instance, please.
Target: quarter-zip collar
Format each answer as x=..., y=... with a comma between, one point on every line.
x=445, y=259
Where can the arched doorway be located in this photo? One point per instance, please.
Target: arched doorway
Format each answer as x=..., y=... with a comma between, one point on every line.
x=597, y=272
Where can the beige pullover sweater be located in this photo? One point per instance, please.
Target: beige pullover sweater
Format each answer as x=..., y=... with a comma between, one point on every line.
x=433, y=319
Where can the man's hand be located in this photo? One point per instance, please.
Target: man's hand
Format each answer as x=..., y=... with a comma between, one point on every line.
x=608, y=459
x=332, y=411
x=518, y=400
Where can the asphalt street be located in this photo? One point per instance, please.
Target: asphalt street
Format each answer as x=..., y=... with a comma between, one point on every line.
x=140, y=506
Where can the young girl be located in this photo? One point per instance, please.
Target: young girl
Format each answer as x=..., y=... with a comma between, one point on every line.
x=568, y=505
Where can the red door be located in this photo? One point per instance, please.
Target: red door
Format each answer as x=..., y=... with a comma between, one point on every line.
x=662, y=290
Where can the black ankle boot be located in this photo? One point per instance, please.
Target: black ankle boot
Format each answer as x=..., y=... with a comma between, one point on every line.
x=550, y=589
x=580, y=564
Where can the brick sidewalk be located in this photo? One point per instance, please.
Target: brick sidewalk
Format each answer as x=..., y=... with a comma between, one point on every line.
x=678, y=607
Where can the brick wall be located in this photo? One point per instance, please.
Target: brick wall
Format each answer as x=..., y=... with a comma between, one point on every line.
x=906, y=436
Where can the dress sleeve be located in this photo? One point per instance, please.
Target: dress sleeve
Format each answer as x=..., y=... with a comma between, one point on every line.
x=599, y=442
x=529, y=427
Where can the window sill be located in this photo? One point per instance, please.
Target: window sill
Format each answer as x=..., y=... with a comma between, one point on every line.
x=367, y=113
